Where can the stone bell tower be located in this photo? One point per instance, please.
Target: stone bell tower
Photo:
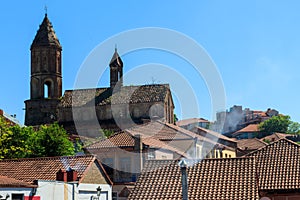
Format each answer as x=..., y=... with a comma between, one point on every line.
x=46, y=76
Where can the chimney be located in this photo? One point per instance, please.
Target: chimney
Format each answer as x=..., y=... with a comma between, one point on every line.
x=61, y=175
x=184, y=179
x=72, y=175
x=138, y=145
x=138, y=148
x=1, y=112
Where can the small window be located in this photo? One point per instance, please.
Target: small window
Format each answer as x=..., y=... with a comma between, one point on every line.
x=47, y=89
x=114, y=195
x=17, y=196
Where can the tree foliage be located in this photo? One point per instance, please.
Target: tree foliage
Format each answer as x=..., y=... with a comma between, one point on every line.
x=281, y=124
x=21, y=142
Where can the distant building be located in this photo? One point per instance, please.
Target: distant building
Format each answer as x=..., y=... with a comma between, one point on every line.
x=246, y=146
x=132, y=104
x=237, y=118
x=191, y=123
x=9, y=119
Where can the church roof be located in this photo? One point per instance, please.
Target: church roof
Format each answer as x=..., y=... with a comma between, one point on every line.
x=46, y=36
x=116, y=60
x=106, y=96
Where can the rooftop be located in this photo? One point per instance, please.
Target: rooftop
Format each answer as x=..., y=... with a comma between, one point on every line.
x=105, y=96
x=232, y=178
x=45, y=168
x=278, y=165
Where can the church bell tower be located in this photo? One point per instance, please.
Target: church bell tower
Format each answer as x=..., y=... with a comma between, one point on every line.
x=116, y=70
x=46, y=76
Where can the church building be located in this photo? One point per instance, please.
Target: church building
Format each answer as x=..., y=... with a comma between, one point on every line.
x=115, y=107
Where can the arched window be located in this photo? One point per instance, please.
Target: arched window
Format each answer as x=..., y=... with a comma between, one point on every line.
x=47, y=89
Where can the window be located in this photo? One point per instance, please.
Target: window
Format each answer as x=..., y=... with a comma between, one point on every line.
x=151, y=155
x=47, y=89
x=17, y=196
x=108, y=164
x=114, y=195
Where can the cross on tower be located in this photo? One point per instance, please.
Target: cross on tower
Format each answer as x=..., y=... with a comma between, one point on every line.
x=46, y=9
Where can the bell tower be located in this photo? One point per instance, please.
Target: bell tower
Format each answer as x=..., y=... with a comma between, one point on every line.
x=116, y=70
x=46, y=76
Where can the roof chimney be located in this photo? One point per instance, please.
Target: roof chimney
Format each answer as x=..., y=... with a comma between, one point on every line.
x=1, y=112
x=72, y=175
x=61, y=175
x=138, y=145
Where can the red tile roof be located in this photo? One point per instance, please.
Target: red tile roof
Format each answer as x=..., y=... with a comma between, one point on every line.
x=6, y=182
x=191, y=121
x=214, y=134
x=275, y=136
x=248, y=129
x=155, y=134
x=250, y=144
x=278, y=165
x=232, y=178
x=30, y=169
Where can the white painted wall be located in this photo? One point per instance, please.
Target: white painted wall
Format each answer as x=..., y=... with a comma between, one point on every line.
x=53, y=190
x=10, y=191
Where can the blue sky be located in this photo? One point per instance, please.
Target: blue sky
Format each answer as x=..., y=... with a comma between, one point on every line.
x=254, y=44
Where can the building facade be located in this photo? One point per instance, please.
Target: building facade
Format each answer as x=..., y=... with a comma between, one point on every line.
x=111, y=107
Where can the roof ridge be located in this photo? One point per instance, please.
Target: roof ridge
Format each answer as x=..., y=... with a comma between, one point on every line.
x=45, y=158
x=271, y=144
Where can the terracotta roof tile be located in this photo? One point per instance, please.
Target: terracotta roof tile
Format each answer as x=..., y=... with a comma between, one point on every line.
x=6, y=182
x=191, y=121
x=250, y=144
x=30, y=169
x=276, y=136
x=209, y=179
x=278, y=165
x=247, y=129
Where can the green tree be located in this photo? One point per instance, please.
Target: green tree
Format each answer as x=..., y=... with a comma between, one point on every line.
x=54, y=141
x=294, y=128
x=278, y=123
x=20, y=142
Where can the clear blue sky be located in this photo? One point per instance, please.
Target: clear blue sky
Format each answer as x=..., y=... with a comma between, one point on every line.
x=254, y=44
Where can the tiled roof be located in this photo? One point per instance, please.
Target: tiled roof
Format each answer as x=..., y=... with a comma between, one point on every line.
x=120, y=139
x=232, y=178
x=214, y=134
x=275, y=136
x=30, y=169
x=46, y=35
x=278, y=165
x=250, y=144
x=6, y=182
x=248, y=129
x=160, y=130
x=125, y=139
x=191, y=121
x=126, y=95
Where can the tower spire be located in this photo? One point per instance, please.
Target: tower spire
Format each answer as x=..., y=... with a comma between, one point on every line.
x=116, y=69
x=46, y=10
